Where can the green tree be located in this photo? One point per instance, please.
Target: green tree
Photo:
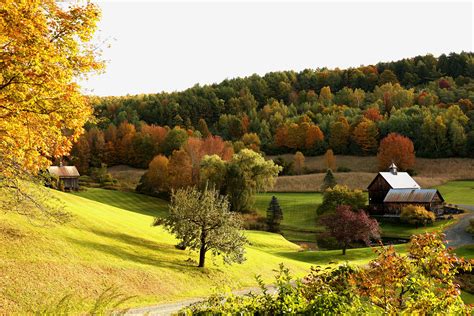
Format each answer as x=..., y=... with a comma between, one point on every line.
x=174, y=140
x=329, y=180
x=342, y=195
x=274, y=215
x=248, y=173
x=203, y=221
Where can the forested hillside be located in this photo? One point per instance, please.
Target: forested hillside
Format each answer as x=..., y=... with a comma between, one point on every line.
x=428, y=99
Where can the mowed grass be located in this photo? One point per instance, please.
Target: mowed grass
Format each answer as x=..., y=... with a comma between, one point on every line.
x=299, y=213
x=458, y=192
x=113, y=244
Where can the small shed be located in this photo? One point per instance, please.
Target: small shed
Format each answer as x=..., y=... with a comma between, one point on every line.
x=396, y=199
x=68, y=175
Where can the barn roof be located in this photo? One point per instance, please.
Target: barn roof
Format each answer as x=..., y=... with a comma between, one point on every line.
x=400, y=180
x=411, y=195
x=64, y=171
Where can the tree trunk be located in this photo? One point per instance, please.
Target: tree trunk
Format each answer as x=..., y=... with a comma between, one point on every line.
x=202, y=256
x=344, y=249
x=202, y=251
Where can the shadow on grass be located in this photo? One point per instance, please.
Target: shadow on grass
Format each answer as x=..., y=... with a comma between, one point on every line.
x=133, y=202
x=137, y=250
x=323, y=257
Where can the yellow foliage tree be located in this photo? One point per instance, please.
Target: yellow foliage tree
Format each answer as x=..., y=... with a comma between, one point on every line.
x=45, y=48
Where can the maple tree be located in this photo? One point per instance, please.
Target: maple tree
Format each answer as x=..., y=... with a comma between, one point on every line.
x=397, y=149
x=347, y=226
x=45, y=48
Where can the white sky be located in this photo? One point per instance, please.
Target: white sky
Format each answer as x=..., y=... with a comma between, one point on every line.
x=167, y=46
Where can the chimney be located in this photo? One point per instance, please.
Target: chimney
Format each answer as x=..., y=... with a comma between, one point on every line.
x=393, y=169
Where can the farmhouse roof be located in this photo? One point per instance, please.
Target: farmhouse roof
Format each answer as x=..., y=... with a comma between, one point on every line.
x=64, y=171
x=411, y=195
x=400, y=180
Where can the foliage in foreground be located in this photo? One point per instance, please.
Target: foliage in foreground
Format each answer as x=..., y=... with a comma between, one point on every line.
x=202, y=221
x=422, y=282
x=46, y=47
x=106, y=303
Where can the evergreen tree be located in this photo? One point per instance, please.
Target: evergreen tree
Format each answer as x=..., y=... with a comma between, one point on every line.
x=329, y=180
x=274, y=215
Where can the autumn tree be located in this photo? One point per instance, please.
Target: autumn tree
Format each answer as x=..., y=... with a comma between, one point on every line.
x=298, y=162
x=46, y=48
x=125, y=134
x=251, y=141
x=180, y=170
x=202, y=221
x=155, y=180
x=339, y=133
x=330, y=159
x=421, y=282
x=347, y=226
x=397, y=149
x=366, y=136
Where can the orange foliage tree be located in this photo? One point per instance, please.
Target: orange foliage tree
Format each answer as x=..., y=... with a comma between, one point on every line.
x=398, y=149
x=339, y=133
x=180, y=170
x=330, y=159
x=45, y=48
x=366, y=136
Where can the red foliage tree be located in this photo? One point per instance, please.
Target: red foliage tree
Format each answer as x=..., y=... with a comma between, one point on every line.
x=398, y=149
x=347, y=226
x=373, y=114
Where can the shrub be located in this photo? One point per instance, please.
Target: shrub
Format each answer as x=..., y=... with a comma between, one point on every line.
x=342, y=195
x=416, y=215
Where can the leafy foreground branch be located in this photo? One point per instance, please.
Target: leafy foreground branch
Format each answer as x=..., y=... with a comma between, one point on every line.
x=422, y=282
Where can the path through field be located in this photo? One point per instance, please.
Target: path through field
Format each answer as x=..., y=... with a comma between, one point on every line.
x=456, y=234
x=171, y=308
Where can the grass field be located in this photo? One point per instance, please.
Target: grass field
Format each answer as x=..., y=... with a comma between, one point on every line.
x=458, y=192
x=300, y=221
x=110, y=242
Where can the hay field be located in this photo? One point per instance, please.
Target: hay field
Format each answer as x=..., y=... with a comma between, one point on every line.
x=429, y=172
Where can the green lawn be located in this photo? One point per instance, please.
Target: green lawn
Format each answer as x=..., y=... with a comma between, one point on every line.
x=465, y=251
x=113, y=243
x=299, y=213
x=399, y=230
x=458, y=192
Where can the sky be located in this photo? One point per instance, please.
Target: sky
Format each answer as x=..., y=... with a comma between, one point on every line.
x=160, y=46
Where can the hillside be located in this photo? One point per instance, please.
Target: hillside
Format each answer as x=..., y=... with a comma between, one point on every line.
x=110, y=242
